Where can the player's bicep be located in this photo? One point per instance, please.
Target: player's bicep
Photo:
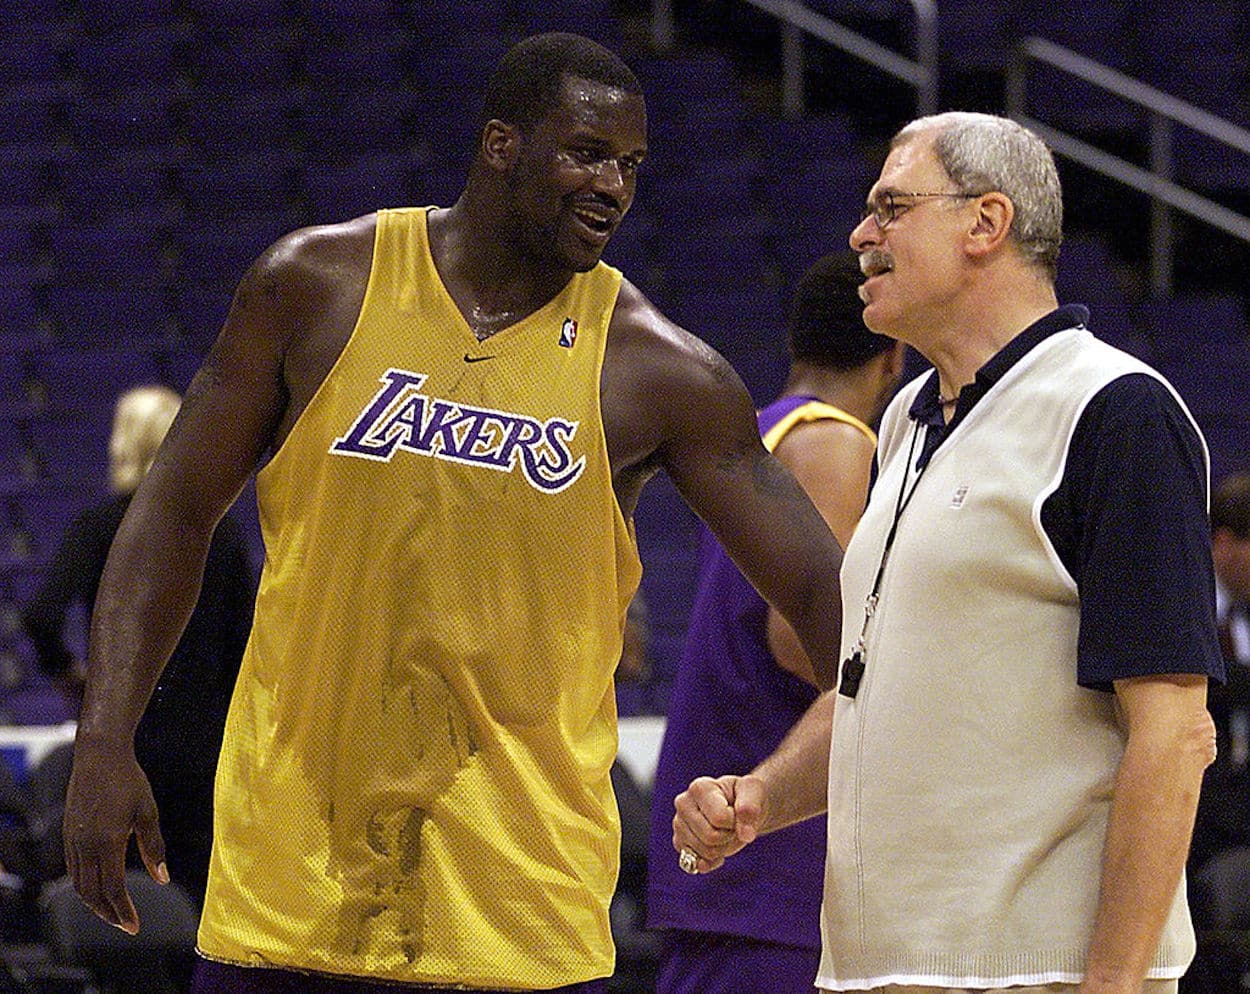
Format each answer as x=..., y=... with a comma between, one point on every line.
x=748, y=498
x=232, y=405
x=714, y=454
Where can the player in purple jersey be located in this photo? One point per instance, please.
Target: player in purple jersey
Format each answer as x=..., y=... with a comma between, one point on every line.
x=744, y=680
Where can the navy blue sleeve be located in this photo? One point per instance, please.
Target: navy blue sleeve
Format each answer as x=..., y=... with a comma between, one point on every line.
x=1129, y=521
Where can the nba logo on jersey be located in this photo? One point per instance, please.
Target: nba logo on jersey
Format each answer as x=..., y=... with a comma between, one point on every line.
x=568, y=333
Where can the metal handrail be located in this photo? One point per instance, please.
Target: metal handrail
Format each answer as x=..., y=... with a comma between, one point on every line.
x=797, y=20
x=1164, y=111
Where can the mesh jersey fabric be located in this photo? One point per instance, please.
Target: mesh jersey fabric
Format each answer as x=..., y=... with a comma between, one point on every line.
x=415, y=780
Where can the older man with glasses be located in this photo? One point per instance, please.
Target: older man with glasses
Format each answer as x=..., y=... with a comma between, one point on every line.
x=1020, y=729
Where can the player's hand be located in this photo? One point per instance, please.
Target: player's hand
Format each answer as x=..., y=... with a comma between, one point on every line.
x=715, y=818
x=109, y=798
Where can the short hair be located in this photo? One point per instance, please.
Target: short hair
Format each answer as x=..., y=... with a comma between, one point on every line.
x=1230, y=505
x=826, y=316
x=984, y=152
x=140, y=420
x=525, y=86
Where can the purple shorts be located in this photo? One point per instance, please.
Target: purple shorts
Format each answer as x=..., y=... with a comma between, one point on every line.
x=703, y=963
x=221, y=978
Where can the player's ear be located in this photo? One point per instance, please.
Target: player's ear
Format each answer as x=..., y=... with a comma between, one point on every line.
x=500, y=144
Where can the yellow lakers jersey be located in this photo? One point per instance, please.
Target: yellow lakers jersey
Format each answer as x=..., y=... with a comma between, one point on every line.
x=414, y=784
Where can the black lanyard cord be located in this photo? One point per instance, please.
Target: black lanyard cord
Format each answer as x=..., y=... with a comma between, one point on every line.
x=853, y=665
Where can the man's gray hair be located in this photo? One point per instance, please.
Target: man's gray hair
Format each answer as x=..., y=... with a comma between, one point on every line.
x=982, y=153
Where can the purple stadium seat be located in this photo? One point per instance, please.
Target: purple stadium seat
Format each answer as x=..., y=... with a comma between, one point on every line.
x=720, y=188
x=33, y=112
x=630, y=249
x=1102, y=32
x=1089, y=271
x=46, y=511
x=346, y=17
x=48, y=15
x=130, y=59
x=595, y=19
x=27, y=175
x=832, y=188
x=1207, y=165
x=113, y=252
x=22, y=228
x=71, y=450
x=361, y=122
x=94, y=190
x=1214, y=381
x=88, y=313
x=225, y=126
x=782, y=143
x=336, y=193
x=720, y=255
x=241, y=48
x=219, y=252
x=28, y=58
x=670, y=82
x=89, y=380
x=731, y=320
x=138, y=116
x=1200, y=56
x=22, y=320
x=812, y=210
x=1189, y=324
x=262, y=181
x=17, y=459
x=460, y=68
x=242, y=18
x=702, y=129
x=343, y=59
x=972, y=34
x=444, y=131
x=105, y=16
x=463, y=19
x=33, y=700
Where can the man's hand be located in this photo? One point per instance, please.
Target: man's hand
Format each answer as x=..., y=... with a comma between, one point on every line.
x=716, y=818
x=109, y=797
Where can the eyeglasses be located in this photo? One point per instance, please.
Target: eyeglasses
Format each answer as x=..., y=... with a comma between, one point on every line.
x=885, y=209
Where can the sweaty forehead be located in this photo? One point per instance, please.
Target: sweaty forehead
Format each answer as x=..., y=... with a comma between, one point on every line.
x=589, y=101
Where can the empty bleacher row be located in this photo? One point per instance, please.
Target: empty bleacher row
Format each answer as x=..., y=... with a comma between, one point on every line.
x=154, y=149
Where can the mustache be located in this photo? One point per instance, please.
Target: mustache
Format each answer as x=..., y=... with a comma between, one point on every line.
x=875, y=259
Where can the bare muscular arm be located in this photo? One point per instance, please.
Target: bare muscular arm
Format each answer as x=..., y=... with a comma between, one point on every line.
x=670, y=401
x=238, y=406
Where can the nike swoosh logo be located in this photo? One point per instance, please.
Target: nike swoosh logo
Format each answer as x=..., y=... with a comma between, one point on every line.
x=477, y=358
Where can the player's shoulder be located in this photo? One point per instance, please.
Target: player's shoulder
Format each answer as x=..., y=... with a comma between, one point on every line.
x=643, y=336
x=313, y=260
x=322, y=244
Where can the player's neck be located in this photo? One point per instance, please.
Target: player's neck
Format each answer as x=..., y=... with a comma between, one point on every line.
x=838, y=388
x=492, y=283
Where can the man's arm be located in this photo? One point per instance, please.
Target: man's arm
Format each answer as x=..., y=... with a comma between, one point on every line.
x=832, y=462
x=153, y=574
x=671, y=401
x=1171, y=740
x=715, y=818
